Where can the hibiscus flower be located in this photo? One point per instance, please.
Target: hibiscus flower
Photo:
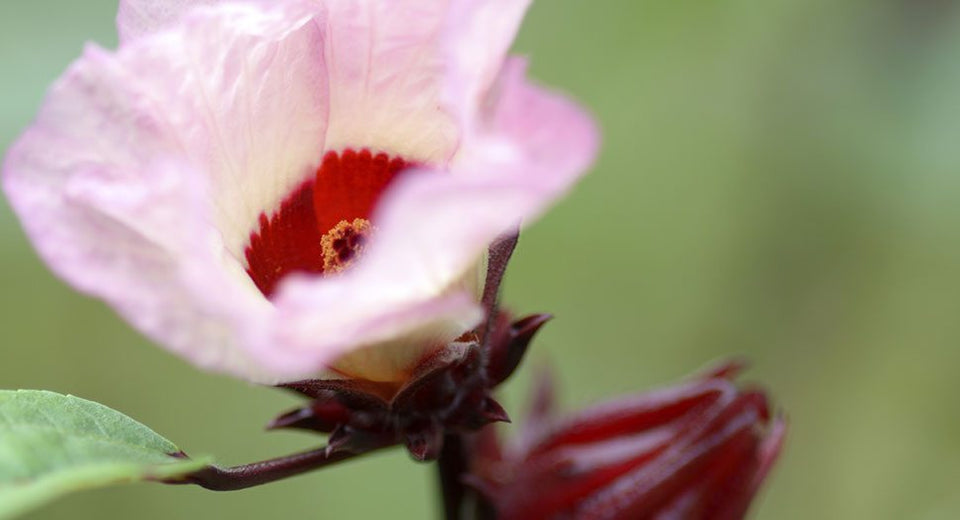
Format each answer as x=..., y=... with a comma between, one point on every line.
x=290, y=189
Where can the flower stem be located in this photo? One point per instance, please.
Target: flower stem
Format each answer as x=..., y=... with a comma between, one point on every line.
x=264, y=472
x=451, y=465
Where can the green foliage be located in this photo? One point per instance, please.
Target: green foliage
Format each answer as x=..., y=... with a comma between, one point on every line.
x=53, y=444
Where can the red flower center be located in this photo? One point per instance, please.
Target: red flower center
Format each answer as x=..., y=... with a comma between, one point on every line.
x=321, y=227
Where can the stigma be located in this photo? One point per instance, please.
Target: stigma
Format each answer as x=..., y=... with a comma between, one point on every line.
x=343, y=244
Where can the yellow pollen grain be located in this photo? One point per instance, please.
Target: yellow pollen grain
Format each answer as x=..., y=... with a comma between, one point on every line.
x=344, y=244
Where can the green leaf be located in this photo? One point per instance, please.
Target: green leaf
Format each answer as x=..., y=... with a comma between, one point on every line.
x=53, y=444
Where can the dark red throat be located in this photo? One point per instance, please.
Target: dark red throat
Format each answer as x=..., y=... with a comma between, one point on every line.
x=346, y=187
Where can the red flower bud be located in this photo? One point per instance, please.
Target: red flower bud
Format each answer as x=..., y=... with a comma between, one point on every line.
x=697, y=450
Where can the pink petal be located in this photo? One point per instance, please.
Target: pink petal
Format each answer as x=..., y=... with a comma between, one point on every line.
x=131, y=174
x=478, y=35
x=136, y=18
x=386, y=72
x=396, y=67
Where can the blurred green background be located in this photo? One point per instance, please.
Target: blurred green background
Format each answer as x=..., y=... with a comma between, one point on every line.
x=779, y=179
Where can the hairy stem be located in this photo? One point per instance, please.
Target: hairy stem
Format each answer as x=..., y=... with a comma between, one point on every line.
x=258, y=473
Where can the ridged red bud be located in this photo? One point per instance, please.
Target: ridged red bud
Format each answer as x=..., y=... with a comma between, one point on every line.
x=695, y=451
